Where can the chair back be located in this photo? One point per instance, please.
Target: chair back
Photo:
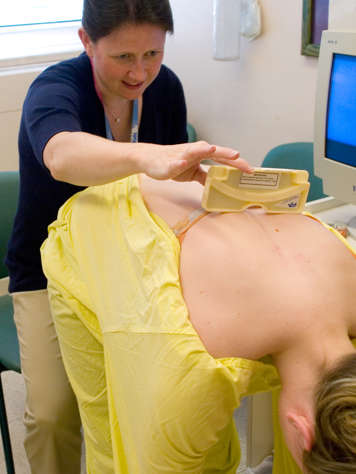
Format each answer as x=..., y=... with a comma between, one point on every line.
x=192, y=134
x=9, y=190
x=296, y=155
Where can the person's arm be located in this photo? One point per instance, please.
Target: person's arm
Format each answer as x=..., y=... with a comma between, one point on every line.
x=83, y=159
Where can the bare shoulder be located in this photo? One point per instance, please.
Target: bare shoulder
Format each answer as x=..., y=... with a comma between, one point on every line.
x=250, y=279
x=171, y=200
x=246, y=275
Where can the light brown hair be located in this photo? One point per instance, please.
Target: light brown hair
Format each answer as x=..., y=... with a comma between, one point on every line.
x=334, y=447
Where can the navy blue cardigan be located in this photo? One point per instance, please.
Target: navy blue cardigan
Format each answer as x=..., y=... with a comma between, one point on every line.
x=63, y=98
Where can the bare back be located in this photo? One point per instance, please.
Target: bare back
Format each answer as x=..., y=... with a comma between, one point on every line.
x=253, y=280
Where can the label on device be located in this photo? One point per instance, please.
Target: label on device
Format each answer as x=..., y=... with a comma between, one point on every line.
x=260, y=180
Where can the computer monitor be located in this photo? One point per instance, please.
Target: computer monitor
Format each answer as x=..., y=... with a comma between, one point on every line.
x=335, y=115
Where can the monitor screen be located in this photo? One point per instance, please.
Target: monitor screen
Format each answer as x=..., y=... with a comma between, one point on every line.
x=335, y=115
x=341, y=112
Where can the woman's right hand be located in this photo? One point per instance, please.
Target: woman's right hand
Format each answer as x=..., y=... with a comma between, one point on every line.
x=84, y=159
x=182, y=162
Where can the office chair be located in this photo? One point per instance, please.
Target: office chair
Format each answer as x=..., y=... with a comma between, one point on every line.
x=192, y=134
x=9, y=347
x=296, y=155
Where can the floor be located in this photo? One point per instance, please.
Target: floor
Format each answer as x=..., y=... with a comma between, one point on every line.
x=15, y=401
x=15, y=398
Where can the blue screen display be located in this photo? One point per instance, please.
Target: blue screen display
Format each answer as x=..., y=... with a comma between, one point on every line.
x=341, y=115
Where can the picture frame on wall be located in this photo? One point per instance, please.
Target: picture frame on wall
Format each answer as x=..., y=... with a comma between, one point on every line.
x=315, y=20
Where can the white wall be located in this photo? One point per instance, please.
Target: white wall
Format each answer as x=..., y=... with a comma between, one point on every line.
x=13, y=87
x=263, y=99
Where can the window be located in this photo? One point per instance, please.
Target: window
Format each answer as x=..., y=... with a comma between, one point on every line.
x=34, y=12
x=39, y=31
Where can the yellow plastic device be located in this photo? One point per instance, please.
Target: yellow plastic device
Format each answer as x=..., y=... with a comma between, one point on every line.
x=273, y=189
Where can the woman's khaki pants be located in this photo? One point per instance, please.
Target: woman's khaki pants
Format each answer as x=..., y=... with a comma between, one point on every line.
x=53, y=437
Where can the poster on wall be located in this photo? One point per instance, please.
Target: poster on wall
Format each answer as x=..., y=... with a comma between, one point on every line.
x=315, y=20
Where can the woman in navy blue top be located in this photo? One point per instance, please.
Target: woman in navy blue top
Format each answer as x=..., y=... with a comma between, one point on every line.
x=113, y=111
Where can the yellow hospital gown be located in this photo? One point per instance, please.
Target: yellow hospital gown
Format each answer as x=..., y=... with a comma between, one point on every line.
x=152, y=400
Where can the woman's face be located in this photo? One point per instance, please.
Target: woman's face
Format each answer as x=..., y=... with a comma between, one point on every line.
x=127, y=60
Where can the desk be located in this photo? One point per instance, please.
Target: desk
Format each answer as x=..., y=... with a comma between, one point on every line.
x=332, y=211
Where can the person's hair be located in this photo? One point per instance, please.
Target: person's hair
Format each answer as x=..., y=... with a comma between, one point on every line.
x=334, y=447
x=101, y=17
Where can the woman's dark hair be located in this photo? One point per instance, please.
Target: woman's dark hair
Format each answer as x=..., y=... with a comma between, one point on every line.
x=101, y=17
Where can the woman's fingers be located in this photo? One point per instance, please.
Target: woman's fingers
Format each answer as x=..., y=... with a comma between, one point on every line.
x=182, y=162
x=202, y=151
x=239, y=163
x=176, y=167
x=227, y=153
x=227, y=156
x=200, y=175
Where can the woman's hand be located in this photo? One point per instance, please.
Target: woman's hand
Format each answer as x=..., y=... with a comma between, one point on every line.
x=182, y=162
x=84, y=159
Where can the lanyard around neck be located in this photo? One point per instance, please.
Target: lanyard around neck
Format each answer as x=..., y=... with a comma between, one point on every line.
x=134, y=125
